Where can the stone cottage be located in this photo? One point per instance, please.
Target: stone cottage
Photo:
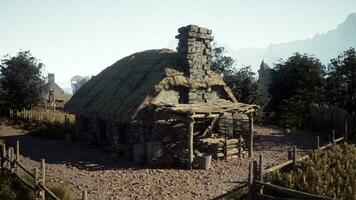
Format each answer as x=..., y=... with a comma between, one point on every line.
x=164, y=99
x=54, y=96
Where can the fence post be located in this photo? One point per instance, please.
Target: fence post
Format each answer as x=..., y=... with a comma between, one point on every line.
x=240, y=146
x=85, y=195
x=317, y=142
x=294, y=155
x=346, y=131
x=37, y=189
x=250, y=180
x=3, y=155
x=43, y=167
x=333, y=136
x=261, y=171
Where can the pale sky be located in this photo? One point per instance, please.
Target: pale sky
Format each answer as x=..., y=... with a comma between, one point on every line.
x=85, y=36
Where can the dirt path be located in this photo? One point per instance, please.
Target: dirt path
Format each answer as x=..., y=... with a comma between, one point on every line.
x=109, y=177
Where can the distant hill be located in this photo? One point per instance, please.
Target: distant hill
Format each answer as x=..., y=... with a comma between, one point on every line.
x=323, y=46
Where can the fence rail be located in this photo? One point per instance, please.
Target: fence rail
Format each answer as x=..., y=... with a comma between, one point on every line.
x=255, y=182
x=257, y=173
x=10, y=162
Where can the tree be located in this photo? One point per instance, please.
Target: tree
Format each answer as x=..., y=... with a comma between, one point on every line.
x=296, y=83
x=340, y=86
x=222, y=64
x=22, y=81
x=242, y=82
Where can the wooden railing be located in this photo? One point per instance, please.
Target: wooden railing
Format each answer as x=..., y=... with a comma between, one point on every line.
x=10, y=161
x=256, y=183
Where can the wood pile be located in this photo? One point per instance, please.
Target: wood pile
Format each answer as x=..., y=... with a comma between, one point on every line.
x=221, y=148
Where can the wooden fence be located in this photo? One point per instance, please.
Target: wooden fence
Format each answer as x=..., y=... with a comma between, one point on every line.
x=327, y=118
x=10, y=161
x=256, y=182
x=40, y=116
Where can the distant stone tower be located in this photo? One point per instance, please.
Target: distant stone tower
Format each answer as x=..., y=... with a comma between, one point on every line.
x=196, y=53
x=264, y=74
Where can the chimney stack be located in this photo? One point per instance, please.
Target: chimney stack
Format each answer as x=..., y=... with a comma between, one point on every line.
x=195, y=53
x=51, y=81
x=195, y=50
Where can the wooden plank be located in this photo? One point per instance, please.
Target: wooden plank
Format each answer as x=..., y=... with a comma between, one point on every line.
x=293, y=193
x=279, y=166
x=48, y=191
x=268, y=197
x=24, y=182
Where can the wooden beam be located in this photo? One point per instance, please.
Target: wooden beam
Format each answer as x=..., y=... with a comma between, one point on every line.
x=190, y=132
x=250, y=117
x=211, y=125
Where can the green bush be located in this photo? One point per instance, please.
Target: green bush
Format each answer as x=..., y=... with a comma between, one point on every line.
x=61, y=192
x=13, y=189
x=329, y=173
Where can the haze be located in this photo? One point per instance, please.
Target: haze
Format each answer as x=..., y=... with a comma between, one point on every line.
x=84, y=37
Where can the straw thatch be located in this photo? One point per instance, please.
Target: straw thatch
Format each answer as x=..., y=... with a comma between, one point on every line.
x=120, y=91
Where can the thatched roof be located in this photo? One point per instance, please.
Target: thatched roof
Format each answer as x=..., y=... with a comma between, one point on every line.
x=120, y=91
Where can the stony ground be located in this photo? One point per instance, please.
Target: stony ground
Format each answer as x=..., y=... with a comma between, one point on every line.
x=108, y=177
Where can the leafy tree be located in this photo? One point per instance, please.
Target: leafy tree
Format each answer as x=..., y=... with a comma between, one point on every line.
x=296, y=83
x=22, y=81
x=340, y=86
x=221, y=63
x=242, y=82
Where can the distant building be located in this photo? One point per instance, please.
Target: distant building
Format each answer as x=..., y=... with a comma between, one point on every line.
x=54, y=96
x=264, y=74
x=77, y=82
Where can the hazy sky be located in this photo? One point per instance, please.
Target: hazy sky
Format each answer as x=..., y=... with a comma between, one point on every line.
x=84, y=37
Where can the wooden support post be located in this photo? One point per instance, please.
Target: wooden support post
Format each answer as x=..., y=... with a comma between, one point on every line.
x=346, y=131
x=190, y=143
x=250, y=180
x=85, y=195
x=333, y=136
x=225, y=146
x=261, y=171
x=240, y=146
x=43, y=167
x=37, y=191
x=17, y=151
x=3, y=152
x=317, y=142
x=294, y=156
x=250, y=117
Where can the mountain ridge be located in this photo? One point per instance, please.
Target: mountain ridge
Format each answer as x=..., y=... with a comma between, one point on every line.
x=324, y=46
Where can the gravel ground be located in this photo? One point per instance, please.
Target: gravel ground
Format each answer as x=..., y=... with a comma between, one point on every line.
x=107, y=177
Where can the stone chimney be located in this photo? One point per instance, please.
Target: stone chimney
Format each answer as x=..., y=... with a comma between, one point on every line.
x=195, y=53
x=51, y=81
x=195, y=50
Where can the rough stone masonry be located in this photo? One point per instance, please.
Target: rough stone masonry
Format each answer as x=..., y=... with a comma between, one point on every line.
x=195, y=53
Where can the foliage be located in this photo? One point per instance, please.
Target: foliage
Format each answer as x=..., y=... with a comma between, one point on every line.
x=61, y=192
x=328, y=173
x=221, y=63
x=296, y=83
x=340, y=86
x=13, y=189
x=242, y=82
x=21, y=80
